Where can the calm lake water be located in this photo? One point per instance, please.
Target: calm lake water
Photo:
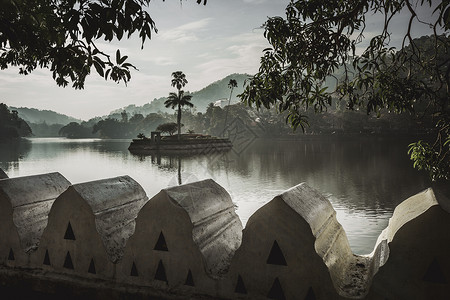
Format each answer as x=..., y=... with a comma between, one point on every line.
x=364, y=178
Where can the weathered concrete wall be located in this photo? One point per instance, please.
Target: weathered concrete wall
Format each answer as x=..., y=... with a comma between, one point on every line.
x=413, y=251
x=293, y=248
x=106, y=238
x=25, y=203
x=185, y=238
x=89, y=225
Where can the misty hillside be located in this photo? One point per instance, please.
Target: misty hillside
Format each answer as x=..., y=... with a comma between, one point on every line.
x=201, y=99
x=33, y=115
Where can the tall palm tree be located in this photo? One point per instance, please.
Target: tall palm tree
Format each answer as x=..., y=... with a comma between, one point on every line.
x=179, y=80
x=178, y=100
x=231, y=85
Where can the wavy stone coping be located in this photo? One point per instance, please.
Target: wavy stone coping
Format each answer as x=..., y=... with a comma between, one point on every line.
x=31, y=198
x=188, y=240
x=408, y=211
x=293, y=247
x=115, y=203
x=184, y=240
x=411, y=256
x=217, y=230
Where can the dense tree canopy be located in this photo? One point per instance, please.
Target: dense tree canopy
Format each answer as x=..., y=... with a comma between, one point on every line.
x=11, y=125
x=170, y=128
x=74, y=130
x=316, y=44
x=62, y=35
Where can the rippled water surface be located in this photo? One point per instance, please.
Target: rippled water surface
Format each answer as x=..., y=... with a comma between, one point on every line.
x=364, y=178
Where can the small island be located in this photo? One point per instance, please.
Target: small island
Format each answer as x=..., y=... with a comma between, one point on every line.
x=189, y=143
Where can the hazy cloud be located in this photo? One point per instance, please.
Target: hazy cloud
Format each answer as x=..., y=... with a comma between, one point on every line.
x=186, y=32
x=255, y=1
x=161, y=60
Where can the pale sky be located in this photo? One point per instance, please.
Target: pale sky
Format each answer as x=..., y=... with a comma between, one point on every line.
x=207, y=43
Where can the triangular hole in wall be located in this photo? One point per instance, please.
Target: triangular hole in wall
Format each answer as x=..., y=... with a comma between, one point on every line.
x=161, y=272
x=276, y=291
x=240, y=286
x=68, y=261
x=69, y=235
x=46, y=258
x=92, y=267
x=189, y=279
x=11, y=254
x=434, y=273
x=161, y=243
x=310, y=295
x=276, y=256
x=134, y=271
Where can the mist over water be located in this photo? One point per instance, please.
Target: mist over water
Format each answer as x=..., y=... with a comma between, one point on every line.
x=363, y=177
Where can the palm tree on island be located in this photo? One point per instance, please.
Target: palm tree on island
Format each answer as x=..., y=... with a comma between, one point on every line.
x=231, y=85
x=178, y=99
x=201, y=144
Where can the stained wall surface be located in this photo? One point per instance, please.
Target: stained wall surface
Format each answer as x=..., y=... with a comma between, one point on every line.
x=415, y=264
x=185, y=239
x=25, y=203
x=89, y=225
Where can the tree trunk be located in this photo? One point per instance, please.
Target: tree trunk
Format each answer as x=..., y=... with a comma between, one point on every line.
x=179, y=121
x=179, y=171
x=226, y=113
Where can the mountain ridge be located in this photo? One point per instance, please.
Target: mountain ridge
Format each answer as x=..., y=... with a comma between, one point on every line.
x=38, y=116
x=201, y=99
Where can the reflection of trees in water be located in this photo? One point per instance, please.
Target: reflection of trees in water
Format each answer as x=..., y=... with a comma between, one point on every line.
x=12, y=151
x=165, y=162
x=48, y=148
x=363, y=173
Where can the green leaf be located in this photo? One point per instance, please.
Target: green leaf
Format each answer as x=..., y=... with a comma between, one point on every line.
x=107, y=74
x=98, y=68
x=118, y=57
x=122, y=59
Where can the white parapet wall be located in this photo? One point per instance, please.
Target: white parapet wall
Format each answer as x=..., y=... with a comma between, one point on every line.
x=89, y=225
x=25, y=203
x=293, y=248
x=412, y=256
x=104, y=239
x=185, y=239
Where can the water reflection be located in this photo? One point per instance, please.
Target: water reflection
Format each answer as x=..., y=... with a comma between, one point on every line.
x=364, y=178
x=171, y=163
x=361, y=173
x=11, y=152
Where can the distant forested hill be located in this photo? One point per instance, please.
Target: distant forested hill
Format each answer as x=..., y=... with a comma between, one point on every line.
x=44, y=123
x=219, y=90
x=213, y=92
x=33, y=115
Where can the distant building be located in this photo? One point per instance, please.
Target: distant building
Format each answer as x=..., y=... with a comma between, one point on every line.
x=221, y=102
x=224, y=102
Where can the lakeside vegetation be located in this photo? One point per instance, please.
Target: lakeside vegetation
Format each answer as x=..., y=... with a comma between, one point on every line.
x=11, y=125
x=264, y=122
